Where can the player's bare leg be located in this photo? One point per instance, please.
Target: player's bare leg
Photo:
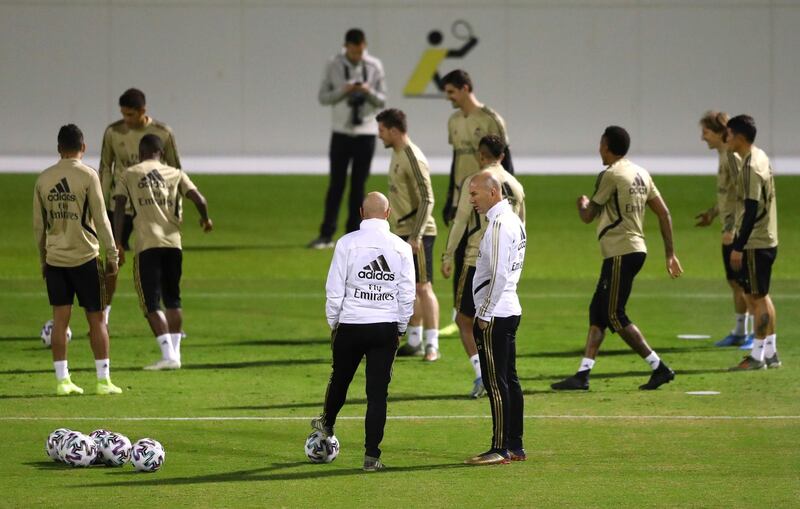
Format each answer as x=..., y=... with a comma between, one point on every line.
x=464, y=323
x=175, y=326
x=159, y=326
x=764, y=352
x=58, y=342
x=429, y=305
x=98, y=337
x=580, y=380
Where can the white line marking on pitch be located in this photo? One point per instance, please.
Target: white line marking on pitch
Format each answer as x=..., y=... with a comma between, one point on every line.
x=419, y=417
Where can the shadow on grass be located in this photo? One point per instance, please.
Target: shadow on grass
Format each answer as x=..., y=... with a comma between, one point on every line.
x=212, y=365
x=363, y=401
x=266, y=474
x=266, y=342
x=625, y=374
x=615, y=353
x=19, y=338
x=242, y=247
x=47, y=465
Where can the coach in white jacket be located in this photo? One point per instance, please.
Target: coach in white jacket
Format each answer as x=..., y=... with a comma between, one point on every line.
x=370, y=298
x=497, y=272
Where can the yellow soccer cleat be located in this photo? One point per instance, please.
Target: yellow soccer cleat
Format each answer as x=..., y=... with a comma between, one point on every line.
x=65, y=387
x=105, y=387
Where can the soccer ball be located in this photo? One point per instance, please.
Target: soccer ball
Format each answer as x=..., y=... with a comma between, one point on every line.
x=114, y=450
x=77, y=449
x=147, y=455
x=320, y=449
x=47, y=331
x=53, y=442
x=97, y=435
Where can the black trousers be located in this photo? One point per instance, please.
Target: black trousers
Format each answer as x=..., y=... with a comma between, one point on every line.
x=350, y=343
x=343, y=150
x=497, y=351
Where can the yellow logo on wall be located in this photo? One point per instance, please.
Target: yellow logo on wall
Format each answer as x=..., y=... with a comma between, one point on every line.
x=427, y=70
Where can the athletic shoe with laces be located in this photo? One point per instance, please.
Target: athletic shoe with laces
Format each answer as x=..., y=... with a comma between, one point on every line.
x=431, y=354
x=410, y=351
x=488, y=458
x=732, y=340
x=773, y=362
x=572, y=383
x=661, y=375
x=163, y=364
x=748, y=342
x=321, y=242
x=318, y=424
x=478, y=390
x=65, y=387
x=449, y=331
x=517, y=454
x=372, y=464
x=749, y=364
x=105, y=387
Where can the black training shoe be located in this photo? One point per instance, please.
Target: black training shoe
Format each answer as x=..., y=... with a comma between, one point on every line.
x=773, y=362
x=411, y=351
x=573, y=383
x=517, y=454
x=661, y=375
x=749, y=364
x=321, y=242
x=373, y=464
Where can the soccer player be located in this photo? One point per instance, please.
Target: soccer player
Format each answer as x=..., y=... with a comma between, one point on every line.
x=120, y=150
x=411, y=200
x=465, y=128
x=498, y=269
x=621, y=193
x=155, y=191
x=367, y=316
x=69, y=216
x=354, y=86
x=756, y=244
x=714, y=133
x=469, y=226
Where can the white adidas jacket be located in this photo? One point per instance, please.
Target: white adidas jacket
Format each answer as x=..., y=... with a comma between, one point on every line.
x=499, y=265
x=371, y=279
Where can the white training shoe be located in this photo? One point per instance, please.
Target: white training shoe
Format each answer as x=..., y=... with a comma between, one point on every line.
x=163, y=364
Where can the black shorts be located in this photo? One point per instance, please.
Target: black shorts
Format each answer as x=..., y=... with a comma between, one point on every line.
x=613, y=289
x=87, y=281
x=756, y=270
x=423, y=265
x=465, y=302
x=730, y=274
x=157, y=275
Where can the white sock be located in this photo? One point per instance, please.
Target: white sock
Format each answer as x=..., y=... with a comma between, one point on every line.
x=176, y=344
x=748, y=323
x=586, y=364
x=653, y=359
x=432, y=338
x=455, y=313
x=740, y=329
x=771, y=345
x=165, y=343
x=414, y=335
x=102, y=367
x=62, y=371
x=106, y=313
x=758, y=349
x=476, y=365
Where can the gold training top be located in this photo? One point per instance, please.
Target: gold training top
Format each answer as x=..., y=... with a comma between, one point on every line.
x=410, y=193
x=756, y=182
x=69, y=216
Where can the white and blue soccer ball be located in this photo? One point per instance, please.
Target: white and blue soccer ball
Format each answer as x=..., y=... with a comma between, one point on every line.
x=53, y=443
x=147, y=455
x=113, y=449
x=97, y=435
x=77, y=449
x=47, y=332
x=321, y=449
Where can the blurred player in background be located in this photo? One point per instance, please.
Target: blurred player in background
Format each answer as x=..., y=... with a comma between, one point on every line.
x=468, y=227
x=120, y=150
x=155, y=191
x=411, y=200
x=69, y=216
x=621, y=193
x=714, y=133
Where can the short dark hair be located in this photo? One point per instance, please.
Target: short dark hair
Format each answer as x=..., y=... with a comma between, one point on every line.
x=494, y=144
x=617, y=139
x=132, y=98
x=393, y=118
x=744, y=125
x=150, y=144
x=458, y=78
x=70, y=138
x=355, y=36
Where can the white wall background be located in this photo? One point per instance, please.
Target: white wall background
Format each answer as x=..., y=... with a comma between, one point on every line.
x=239, y=78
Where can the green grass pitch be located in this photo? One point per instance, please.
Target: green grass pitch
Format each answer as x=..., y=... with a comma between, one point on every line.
x=258, y=347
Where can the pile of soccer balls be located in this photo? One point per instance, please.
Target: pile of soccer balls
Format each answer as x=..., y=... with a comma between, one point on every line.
x=321, y=449
x=47, y=333
x=103, y=447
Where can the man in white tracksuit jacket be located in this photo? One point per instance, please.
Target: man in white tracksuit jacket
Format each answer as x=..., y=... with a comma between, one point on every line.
x=370, y=298
x=497, y=314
